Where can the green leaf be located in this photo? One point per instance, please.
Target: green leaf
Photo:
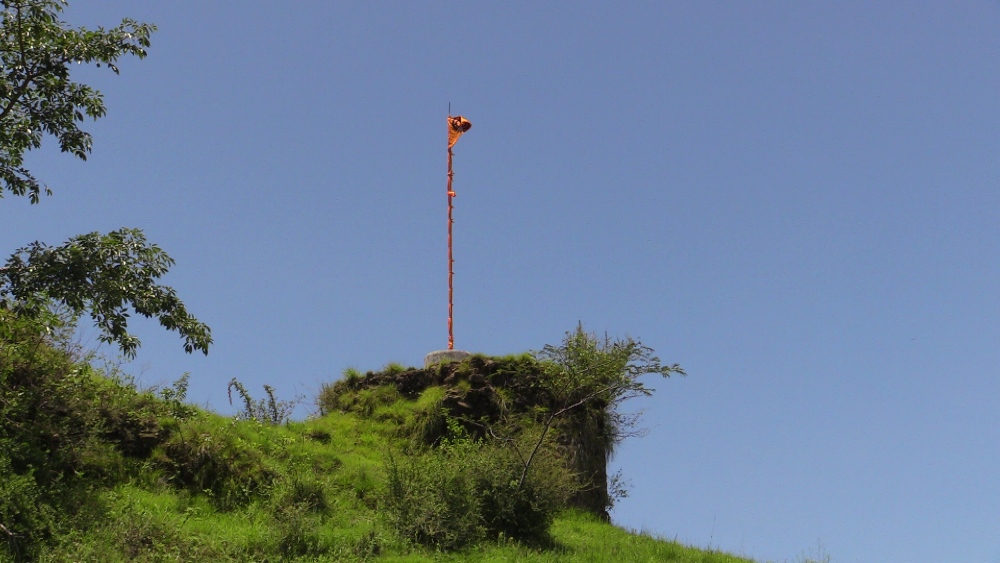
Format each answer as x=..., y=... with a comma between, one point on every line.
x=36, y=94
x=105, y=276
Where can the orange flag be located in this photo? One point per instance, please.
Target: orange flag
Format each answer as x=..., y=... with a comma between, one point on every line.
x=456, y=126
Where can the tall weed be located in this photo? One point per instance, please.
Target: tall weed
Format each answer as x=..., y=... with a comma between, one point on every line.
x=266, y=411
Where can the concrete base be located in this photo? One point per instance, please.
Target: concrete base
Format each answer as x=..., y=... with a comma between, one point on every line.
x=444, y=357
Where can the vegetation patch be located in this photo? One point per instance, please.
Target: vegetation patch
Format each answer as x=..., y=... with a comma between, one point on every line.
x=459, y=457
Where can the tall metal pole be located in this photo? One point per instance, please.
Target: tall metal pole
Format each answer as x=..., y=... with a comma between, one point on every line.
x=451, y=259
x=456, y=126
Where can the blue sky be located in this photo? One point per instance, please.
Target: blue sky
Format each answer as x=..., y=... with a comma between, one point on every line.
x=795, y=201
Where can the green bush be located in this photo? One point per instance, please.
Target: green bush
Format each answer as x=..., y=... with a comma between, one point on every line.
x=367, y=401
x=26, y=514
x=175, y=395
x=431, y=500
x=304, y=491
x=206, y=459
x=62, y=431
x=465, y=491
x=342, y=397
x=127, y=531
x=265, y=411
x=524, y=512
x=329, y=398
x=297, y=530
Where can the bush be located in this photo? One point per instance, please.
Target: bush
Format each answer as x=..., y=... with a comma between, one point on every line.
x=330, y=394
x=431, y=500
x=304, y=491
x=429, y=423
x=55, y=416
x=465, y=491
x=127, y=531
x=524, y=512
x=25, y=513
x=297, y=530
x=204, y=459
x=341, y=396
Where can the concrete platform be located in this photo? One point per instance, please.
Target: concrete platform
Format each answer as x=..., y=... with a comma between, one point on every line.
x=444, y=357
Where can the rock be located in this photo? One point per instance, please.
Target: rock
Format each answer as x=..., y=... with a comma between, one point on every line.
x=444, y=357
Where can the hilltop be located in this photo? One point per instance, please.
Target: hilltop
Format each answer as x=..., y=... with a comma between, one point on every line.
x=402, y=464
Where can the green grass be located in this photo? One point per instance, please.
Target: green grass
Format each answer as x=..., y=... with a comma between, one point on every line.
x=321, y=505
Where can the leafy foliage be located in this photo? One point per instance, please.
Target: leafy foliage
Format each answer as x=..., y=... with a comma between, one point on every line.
x=466, y=490
x=37, y=95
x=64, y=430
x=562, y=403
x=175, y=397
x=524, y=510
x=350, y=393
x=588, y=369
x=42, y=430
x=202, y=459
x=103, y=275
x=588, y=378
x=432, y=501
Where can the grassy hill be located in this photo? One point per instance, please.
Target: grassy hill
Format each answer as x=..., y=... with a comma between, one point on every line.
x=93, y=469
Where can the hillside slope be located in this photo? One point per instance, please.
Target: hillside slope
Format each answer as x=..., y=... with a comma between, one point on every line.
x=92, y=469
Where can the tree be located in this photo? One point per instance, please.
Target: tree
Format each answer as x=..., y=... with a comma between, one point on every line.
x=104, y=275
x=101, y=274
x=587, y=379
x=586, y=368
x=36, y=93
x=574, y=393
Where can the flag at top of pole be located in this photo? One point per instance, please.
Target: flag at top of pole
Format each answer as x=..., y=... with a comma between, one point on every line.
x=456, y=126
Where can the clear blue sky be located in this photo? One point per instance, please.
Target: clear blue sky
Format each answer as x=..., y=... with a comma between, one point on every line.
x=795, y=201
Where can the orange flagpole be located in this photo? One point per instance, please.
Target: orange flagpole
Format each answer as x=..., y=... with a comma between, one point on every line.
x=456, y=126
x=451, y=260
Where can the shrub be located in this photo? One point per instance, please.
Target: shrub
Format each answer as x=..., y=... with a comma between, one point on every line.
x=175, y=395
x=329, y=396
x=367, y=401
x=431, y=500
x=25, y=513
x=54, y=413
x=127, y=531
x=342, y=397
x=297, y=530
x=587, y=379
x=524, y=512
x=205, y=459
x=302, y=491
x=465, y=491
